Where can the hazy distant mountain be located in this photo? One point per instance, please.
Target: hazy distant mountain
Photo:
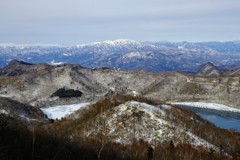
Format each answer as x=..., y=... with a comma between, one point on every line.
x=209, y=70
x=129, y=54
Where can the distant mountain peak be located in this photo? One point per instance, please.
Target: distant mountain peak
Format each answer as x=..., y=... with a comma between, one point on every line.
x=122, y=41
x=209, y=70
x=116, y=42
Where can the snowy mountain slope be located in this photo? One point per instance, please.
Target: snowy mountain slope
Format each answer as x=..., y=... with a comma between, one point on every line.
x=146, y=122
x=18, y=110
x=35, y=84
x=118, y=126
x=130, y=54
x=135, y=121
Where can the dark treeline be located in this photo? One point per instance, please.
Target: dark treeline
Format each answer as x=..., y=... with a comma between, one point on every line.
x=67, y=93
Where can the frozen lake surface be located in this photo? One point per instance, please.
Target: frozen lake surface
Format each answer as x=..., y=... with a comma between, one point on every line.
x=61, y=111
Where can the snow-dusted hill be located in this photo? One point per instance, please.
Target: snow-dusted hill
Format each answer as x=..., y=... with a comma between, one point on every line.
x=140, y=121
x=129, y=54
x=19, y=110
x=132, y=122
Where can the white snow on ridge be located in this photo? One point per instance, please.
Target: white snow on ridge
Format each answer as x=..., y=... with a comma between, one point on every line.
x=55, y=63
x=61, y=111
x=110, y=43
x=2, y=111
x=214, y=106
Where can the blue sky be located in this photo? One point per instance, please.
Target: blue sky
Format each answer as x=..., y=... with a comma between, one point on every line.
x=81, y=21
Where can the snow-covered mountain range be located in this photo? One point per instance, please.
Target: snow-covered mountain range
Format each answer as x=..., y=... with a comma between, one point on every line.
x=129, y=54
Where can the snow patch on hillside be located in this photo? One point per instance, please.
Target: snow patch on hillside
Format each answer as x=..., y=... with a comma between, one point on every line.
x=61, y=111
x=55, y=63
x=2, y=111
x=165, y=106
x=145, y=55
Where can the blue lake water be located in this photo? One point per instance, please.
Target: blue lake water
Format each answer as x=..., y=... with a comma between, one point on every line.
x=222, y=119
x=222, y=122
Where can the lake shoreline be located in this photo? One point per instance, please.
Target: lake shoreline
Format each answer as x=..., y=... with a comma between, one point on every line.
x=223, y=117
